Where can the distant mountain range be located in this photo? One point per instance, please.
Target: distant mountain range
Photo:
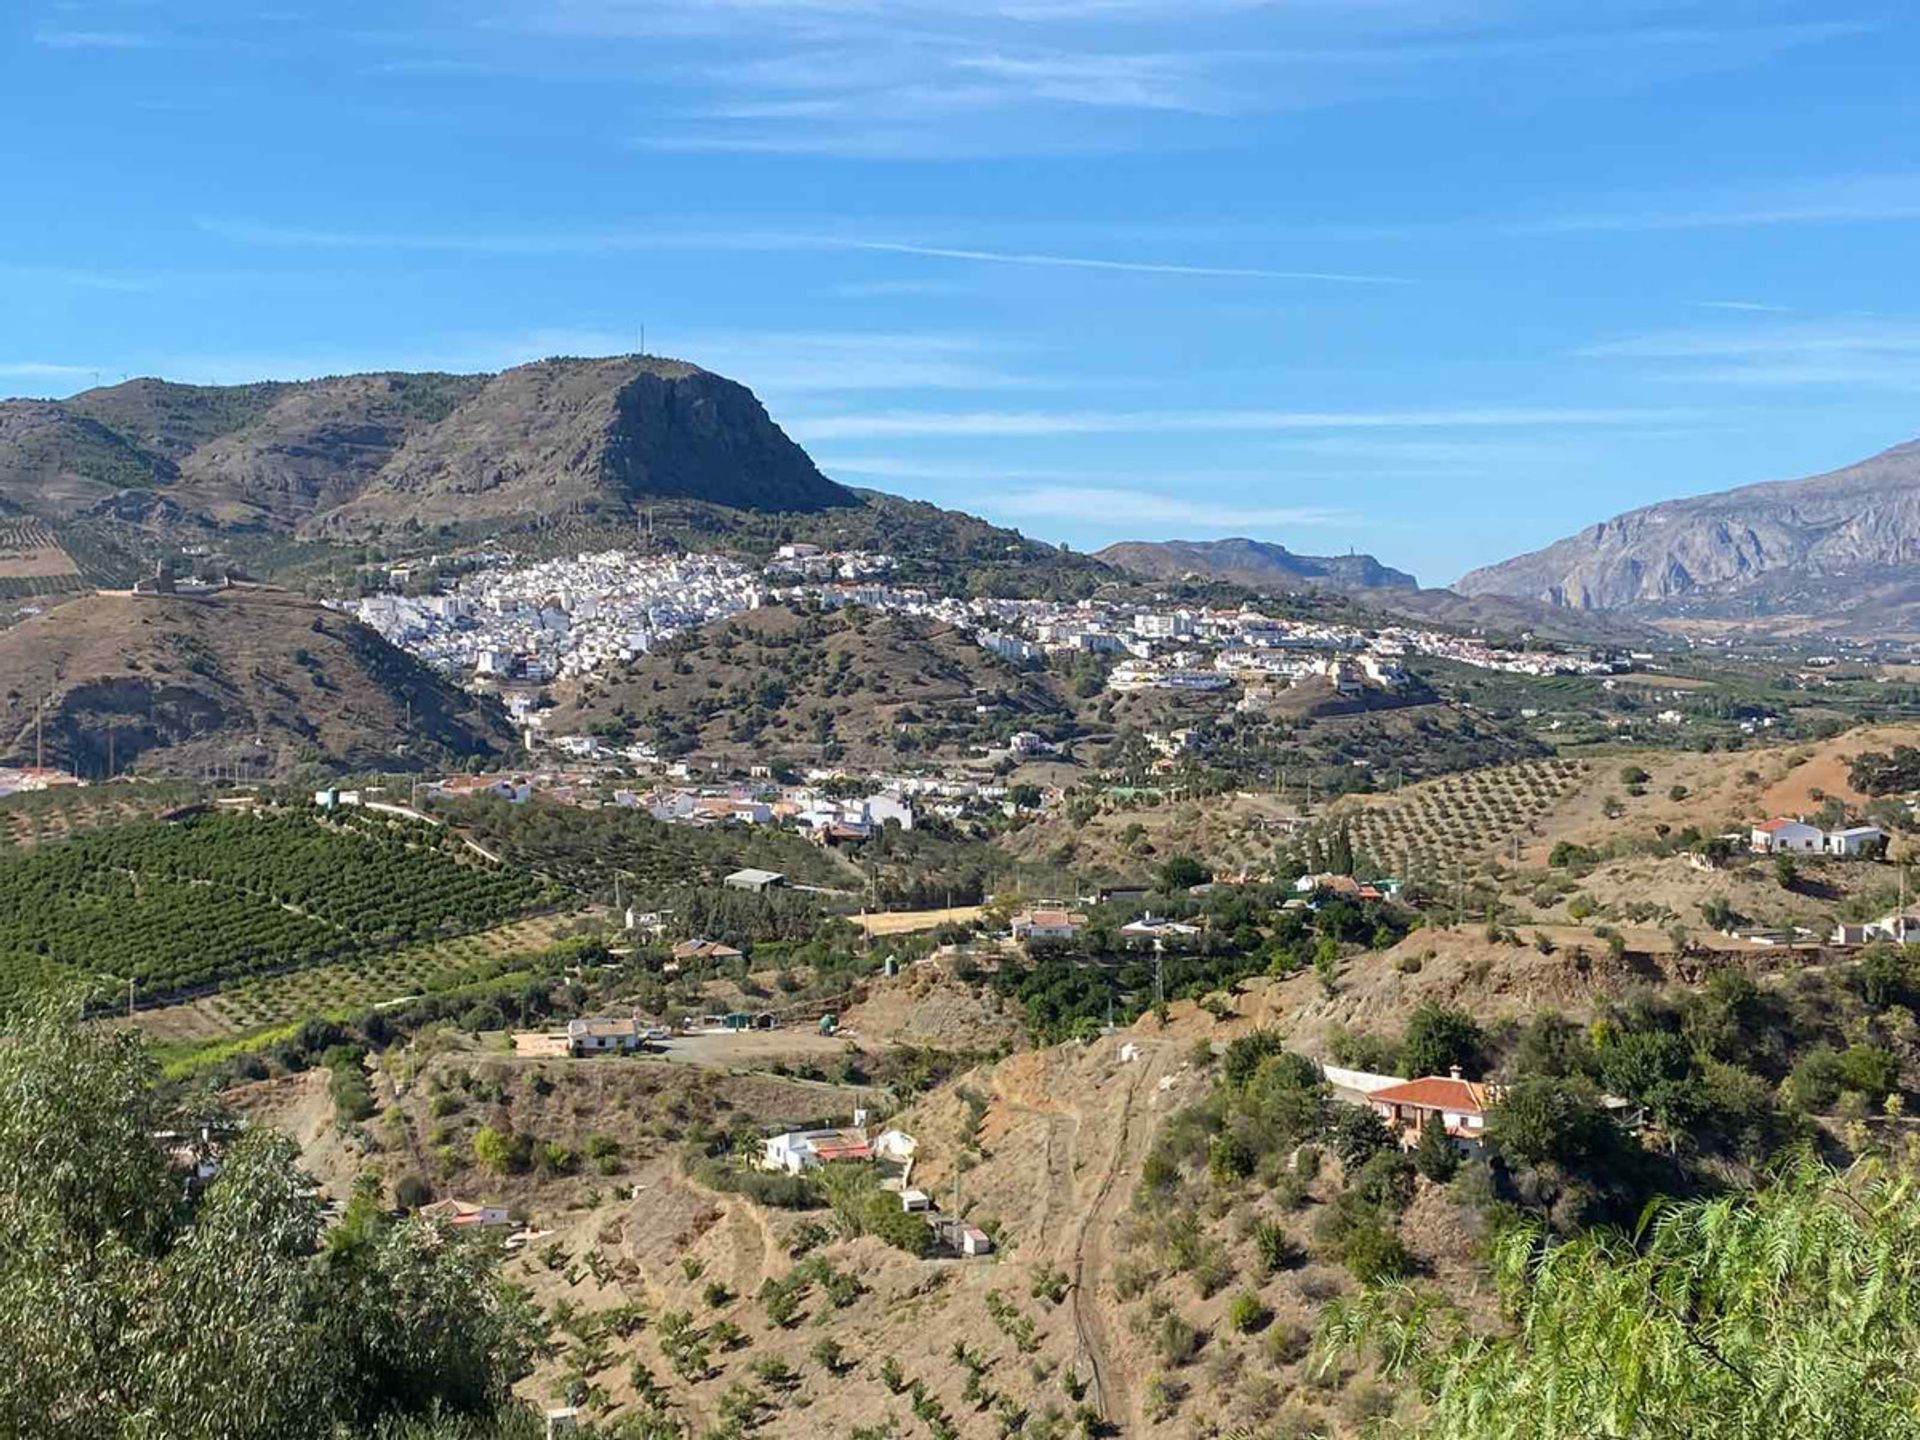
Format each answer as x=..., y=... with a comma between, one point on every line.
x=1839, y=547
x=1258, y=564
x=1263, y=565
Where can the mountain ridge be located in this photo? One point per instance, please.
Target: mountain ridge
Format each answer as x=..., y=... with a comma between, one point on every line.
x=351, y=455
x=1726, y=545
x=1257, y=563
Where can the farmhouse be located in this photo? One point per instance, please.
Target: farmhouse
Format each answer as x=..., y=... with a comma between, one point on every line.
x=728, y=807
x=1462, y=1106
x=599, y=1035
x=704, y=950
x=464, y=1213
x=962, y=1236
x=1154, y=927
x=757, y=882
x=801, y=1150
x=1781, y=836
x=1344, y=886
x=15, y=779
x=1856, y=840
x=515, y=789
x=1897, y=928
x=1047, y=924
x=1358, y=1087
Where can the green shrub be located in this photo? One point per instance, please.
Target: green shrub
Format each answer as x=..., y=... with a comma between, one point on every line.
x=1247, y=1312
x=1176, y=1341
x=1373, y=1254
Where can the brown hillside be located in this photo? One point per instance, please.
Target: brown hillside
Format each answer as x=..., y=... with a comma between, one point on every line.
x=318, y=446
x=789, y=684
x=254, y=678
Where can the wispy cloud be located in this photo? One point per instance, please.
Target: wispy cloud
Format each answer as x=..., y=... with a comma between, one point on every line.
x=73, y=278
x=889, y=289
x=1119, y=507
x=1135, y=267
x=591, y=240
x=1748, y=307
x=23, y=369
x=808, y=362
x=304, y=237
x=57, y=39
x=1820, y=200
x=953, y=78
x=1030, y=423
x=1864, y=352
x=1138, y=81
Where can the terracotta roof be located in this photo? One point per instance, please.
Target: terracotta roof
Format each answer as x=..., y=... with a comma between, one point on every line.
x=843, y=1147
x=605, y=1025
x=1435, y=1092
x=704, y=950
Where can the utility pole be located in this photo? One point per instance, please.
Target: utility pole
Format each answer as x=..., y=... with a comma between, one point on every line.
x=39, y=734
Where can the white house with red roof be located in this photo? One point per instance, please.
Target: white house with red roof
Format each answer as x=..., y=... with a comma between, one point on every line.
x=801, y=1150
x=465, y=1213
x=1462, y=1106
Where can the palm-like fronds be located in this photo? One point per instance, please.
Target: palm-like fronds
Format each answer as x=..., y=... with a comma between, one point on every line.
x=1793, y=1314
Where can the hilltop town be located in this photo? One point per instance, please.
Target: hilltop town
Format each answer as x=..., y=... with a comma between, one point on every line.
x=561, y=619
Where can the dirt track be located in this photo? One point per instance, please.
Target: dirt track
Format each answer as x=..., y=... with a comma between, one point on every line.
x=1090, y=1257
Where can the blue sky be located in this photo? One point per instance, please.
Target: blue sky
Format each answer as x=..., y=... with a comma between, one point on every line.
x=1438, y=279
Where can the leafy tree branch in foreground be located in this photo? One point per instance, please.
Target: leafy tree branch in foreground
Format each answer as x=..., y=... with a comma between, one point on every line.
x=1791, y=1314
x=128, y=1310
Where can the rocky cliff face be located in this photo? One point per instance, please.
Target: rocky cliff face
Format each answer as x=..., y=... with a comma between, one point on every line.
x=1254, y=563
x=1866, y=516
x=351, y=454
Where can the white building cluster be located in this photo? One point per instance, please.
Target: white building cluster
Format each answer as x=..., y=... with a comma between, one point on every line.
x=561, y=618
x=567, y=617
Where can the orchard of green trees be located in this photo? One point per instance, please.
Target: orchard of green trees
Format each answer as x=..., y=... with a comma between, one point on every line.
x=197, y=903
x=1073, y=986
